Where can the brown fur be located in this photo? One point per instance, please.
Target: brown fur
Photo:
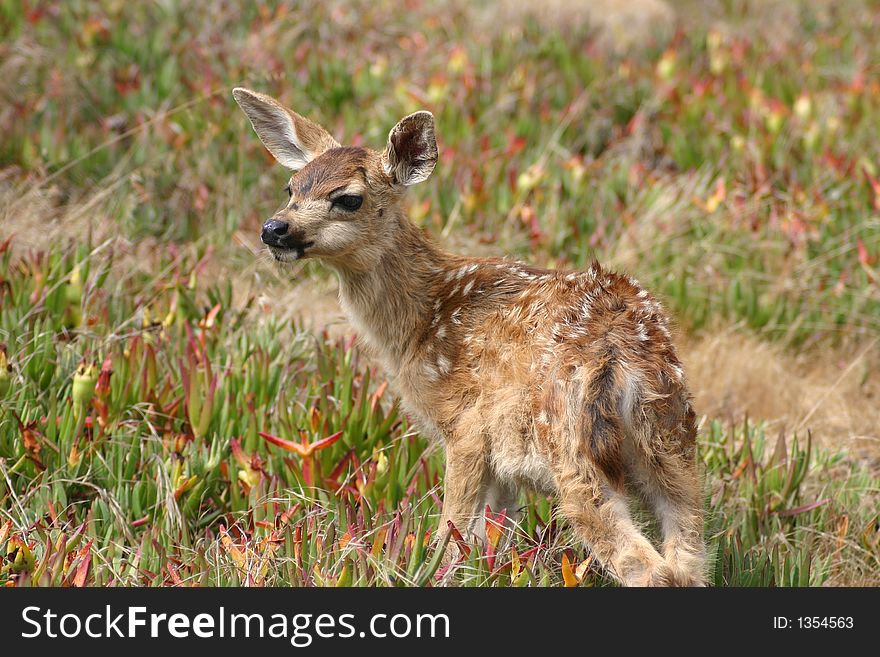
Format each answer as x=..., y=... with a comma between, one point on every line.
x=336, y=169
x=562, y=381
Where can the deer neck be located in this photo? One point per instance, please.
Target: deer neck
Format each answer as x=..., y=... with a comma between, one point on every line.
x=391, y=299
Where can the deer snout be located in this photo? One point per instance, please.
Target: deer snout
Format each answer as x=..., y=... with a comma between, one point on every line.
x=273, y=232
x=284, y=239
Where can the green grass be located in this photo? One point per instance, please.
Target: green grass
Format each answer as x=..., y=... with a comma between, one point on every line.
x=733, y=176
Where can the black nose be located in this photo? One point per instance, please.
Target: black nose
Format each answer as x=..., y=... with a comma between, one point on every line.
x=273, y=230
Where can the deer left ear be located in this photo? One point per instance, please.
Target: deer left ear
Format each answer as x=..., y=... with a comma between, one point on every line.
x=292, y=139
x=411, y=153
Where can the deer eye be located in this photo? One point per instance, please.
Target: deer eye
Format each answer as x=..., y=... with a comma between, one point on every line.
x=348, y=202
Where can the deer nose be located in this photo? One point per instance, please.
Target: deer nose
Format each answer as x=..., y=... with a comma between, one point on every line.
x=273, y=230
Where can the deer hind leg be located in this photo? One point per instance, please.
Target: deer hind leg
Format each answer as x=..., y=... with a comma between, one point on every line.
x=499, y=495
x=671, y=485
x=667, y=473
x=591, y=475
x=600, y=515
x=502, y=495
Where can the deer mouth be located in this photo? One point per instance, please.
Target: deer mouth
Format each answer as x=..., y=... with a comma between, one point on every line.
x=289, y=252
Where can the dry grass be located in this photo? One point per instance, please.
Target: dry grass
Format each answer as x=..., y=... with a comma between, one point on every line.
x=624, y=26
x=619, y=25
x=834, y=393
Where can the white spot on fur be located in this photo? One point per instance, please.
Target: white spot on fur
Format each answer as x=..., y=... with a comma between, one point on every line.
x=465, y=270
x=441, y=332
x=677, y=371
x=443, y=364
x=452, y=292
x=468, y=288
x=642, y=332
x=586, y=307
x=643, y=294
x=456, y=316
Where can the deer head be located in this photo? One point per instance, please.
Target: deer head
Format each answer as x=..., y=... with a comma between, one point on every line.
x=344, y=201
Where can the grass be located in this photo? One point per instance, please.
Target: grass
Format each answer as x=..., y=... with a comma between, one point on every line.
x=158, y=427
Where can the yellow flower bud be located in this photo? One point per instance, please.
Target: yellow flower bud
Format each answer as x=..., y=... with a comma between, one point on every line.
x=381, y=464
x=5, y=372
x=74, y=289
x=84, y=381
x=666, y=65
x=74, y=457
x=73, y=293
x=803, y=107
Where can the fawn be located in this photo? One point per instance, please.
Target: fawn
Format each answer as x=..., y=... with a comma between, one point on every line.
x=564, y=381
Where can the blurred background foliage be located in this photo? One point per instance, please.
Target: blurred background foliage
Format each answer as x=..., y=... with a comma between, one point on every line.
x=723, y=152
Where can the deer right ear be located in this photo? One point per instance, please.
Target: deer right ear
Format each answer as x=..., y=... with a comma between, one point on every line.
x=292, y=139
x=411, y=153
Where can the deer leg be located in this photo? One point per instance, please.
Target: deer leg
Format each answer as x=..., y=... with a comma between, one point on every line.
x=499, y=495
x=670, y=482
x=465, y=487
x=600, y=516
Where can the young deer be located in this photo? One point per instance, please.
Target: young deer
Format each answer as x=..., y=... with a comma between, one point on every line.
x=565, y=381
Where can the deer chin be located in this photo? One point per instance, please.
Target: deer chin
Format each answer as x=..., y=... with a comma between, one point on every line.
x=287, y=255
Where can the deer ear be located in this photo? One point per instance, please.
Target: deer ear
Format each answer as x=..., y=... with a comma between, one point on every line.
x=292, y=139
x=411, y=153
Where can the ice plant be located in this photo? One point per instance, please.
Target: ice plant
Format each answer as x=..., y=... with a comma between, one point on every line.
x=30, y=439
x=5, y=371
x=199, y=386
x=251, y=466
x=306, y=450
x=206, y=324
x=20, y=555
x=494, y=532
x=101, y=402
x=568, y=575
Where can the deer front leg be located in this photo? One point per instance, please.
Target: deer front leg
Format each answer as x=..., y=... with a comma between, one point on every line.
x=464, y=489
